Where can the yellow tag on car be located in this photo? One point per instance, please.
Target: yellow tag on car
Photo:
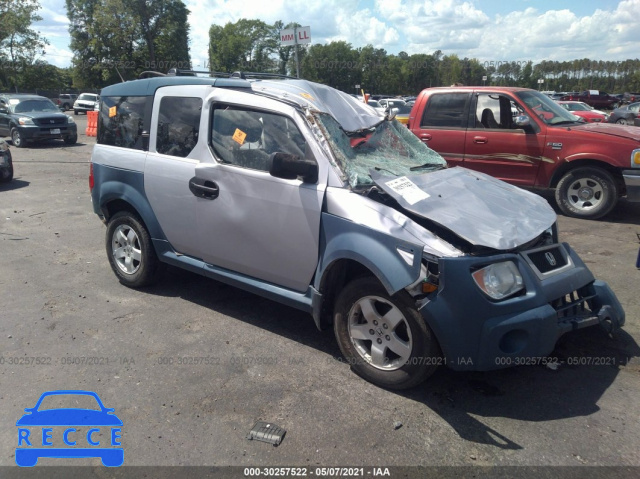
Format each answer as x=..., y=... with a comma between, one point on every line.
x=239, y=136
x=113, y=111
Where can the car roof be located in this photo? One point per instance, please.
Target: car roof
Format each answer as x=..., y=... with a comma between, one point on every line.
x=479, y=88
x=22, y=96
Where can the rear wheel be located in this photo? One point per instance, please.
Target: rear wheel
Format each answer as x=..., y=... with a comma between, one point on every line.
x=130, y=250
x=384, y=338
x=587, y=193
x=623, y=121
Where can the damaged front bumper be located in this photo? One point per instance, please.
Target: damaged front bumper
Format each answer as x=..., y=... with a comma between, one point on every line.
x=477, y=333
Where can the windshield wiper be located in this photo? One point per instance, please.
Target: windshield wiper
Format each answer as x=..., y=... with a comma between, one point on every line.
x=377, y=168
x=427, y=165
x=564, y=122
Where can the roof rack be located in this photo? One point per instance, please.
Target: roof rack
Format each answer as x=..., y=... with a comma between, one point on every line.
x=193, y=73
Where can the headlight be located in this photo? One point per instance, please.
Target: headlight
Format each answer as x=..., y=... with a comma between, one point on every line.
x=499, y=280
x=70, y=120
x=23, y=120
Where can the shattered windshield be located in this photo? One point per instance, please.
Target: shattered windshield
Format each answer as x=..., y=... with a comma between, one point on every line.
x=388, y=147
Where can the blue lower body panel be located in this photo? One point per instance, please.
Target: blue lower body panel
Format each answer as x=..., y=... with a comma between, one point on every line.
x=478, y=334
x=111, y=457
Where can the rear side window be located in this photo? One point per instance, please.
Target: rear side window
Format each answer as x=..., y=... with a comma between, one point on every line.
x=122, y=120
x=446, y=110
x=178, y=125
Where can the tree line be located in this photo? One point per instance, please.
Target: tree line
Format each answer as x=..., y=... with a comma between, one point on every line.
x=115, y=40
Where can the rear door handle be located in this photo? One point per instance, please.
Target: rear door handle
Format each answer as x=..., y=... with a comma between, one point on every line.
x=425, y=137
x=480, y=139
x=204, y=188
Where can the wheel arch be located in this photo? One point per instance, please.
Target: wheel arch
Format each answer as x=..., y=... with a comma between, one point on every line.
x=568, y=165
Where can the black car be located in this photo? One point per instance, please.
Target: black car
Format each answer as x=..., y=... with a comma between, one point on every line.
x=625, y=115
x=6, y=164
x=34, y=118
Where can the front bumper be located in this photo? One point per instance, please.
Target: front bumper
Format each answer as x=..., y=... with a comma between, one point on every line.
x=37, y=132
x=478, y=334
x=632, y=184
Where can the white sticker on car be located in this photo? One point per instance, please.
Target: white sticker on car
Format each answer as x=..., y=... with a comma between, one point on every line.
x=407, y=189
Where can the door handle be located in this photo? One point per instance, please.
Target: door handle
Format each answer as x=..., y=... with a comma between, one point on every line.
x=425, y=137
x=204, y=189
x=480, y=139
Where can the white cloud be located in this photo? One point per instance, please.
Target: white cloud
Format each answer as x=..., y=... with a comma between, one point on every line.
x=415, y=26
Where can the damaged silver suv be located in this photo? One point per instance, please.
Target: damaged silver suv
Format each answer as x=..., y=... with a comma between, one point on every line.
x=300, y=193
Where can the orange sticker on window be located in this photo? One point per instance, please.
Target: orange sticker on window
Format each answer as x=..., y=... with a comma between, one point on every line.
x=239, y=136
x=113, y=111
x=307, y=96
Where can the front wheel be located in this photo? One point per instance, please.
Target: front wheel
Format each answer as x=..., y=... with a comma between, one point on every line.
x=6, y=174
x=71, y=140
x=384, y=338
x=17, y=139
x=588, y=193
x=130, y=251
x=623, y=121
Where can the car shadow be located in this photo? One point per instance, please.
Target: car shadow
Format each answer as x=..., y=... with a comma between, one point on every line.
x=14, y=185
x=53, y=143
x=589, y=362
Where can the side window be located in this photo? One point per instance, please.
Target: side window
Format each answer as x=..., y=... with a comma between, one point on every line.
x=446, y=110
x=178, y=125
x=246, y=137
x=121, y=121
x=496, y=111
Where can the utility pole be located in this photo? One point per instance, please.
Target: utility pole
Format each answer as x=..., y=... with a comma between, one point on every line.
x=295, y=35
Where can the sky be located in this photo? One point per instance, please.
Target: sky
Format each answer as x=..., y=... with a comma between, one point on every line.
x=499, y=31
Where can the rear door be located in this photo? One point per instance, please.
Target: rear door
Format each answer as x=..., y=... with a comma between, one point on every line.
x=443, y=125
x=496, y=146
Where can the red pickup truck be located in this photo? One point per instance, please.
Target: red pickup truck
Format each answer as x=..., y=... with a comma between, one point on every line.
x=523, y=137
x=594, y=98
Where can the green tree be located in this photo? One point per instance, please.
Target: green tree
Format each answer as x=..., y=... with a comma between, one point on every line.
x=243, y=45
x=19, y=42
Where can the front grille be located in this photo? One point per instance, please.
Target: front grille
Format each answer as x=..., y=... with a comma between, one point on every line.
x=547, y=260
x=574, y=305
x=50, y=122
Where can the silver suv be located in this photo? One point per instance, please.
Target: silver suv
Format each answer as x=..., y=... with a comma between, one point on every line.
x=304, y=195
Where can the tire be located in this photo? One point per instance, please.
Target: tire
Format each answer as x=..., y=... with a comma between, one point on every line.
x=409, y=350
x=623, y=121
x=587, y=193
x=66, y=107
x=6, y=174
x=71, y=140
x=130, y=251
x=75, y=112
x=17, y=139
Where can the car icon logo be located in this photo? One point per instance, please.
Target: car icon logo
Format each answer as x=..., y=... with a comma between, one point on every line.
x=69, y=432
x=550, y=258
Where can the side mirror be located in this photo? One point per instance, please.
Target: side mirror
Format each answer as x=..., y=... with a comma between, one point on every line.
x=289, y=167
x=521, y=121
x=4, y=109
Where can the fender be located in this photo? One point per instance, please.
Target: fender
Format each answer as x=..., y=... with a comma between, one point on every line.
x=124, y=185
x=395, y=262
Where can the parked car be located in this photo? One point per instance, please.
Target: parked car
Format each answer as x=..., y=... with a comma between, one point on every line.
x=583, y=110
x=402, y=113
x=34, y=118
x=594, y=98
x=6, y=163
x=86, y=102
x=376, y=105
x=65, y=101
x=625, y=115
x=300, y=193
x=544, y=146
x=391, y=102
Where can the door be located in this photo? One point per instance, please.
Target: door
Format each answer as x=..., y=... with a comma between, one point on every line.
x=171, y=163
x=258, y=225
x=443, y=125
x=496, y=146
x=4, y=119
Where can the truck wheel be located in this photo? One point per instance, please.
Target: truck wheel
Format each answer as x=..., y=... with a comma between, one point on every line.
x=130, y=251
x=71, y=140
x=16, y=138
x=382, y=337
x=587, y=193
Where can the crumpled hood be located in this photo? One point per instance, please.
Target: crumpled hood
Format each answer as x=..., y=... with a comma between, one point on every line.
x=476, y=207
